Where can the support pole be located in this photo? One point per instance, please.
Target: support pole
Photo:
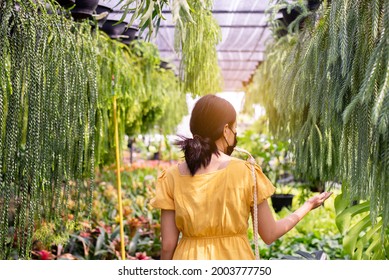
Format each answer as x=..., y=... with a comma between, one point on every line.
x=118, y=178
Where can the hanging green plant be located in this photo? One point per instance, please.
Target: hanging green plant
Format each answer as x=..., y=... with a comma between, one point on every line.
x=327, y=88
x=196, y=39
x=144, y=92
x=196, y=35
x=48, y=102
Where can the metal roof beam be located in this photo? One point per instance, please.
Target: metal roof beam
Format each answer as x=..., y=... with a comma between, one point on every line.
x=224, y=26
x=228, y=12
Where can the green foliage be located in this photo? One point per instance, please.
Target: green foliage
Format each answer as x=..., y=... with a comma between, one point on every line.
x=326, y=88
x=50, y=233
x=197, y=40
x=361, y=235
x=149, y=12
x=271, y=155
x=147, y=95
x=196, y=35
x=48, y=102
x=100, y=239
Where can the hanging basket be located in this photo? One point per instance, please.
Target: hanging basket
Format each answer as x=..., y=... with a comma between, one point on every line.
x=84, y=9
x=281, y=200
x=131, y=33
x=66, y=3
x=165, y=65
x=313, y=5
x=102, y=9
x=281, y=29
x=113, y=28
x=290, y=17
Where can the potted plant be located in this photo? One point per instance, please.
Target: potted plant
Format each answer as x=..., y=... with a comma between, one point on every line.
x=129, y=34
x=84, y=9
x=113, y=28
x=100, y=9
x=165, y=65
x=281, y=200
x=281, y=29
x=289, y=17
x=313, y=5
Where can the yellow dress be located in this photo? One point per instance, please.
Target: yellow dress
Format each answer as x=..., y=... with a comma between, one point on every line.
x=212, y=210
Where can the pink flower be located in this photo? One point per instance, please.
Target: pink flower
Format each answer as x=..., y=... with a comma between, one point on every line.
x=85, y=234
x=142, y=256
x=44, y=255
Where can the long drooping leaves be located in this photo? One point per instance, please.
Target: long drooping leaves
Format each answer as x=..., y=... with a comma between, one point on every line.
x=48, y=103
x=196, y=39
x=196, y=35
x=145, y=93
x=326, y=88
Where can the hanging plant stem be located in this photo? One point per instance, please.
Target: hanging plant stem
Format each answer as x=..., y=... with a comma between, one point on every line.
x=196, y=39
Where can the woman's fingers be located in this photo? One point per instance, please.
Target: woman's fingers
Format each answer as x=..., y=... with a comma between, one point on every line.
x=326, y=195
x=319, y=199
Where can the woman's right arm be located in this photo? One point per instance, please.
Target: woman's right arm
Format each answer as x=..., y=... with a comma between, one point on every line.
x=270, y=230
x=169, y=234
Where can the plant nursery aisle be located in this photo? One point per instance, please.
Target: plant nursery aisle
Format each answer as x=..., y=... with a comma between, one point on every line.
x=93, y=93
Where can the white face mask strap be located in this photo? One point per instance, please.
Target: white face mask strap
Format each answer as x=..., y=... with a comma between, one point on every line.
x=251, y=160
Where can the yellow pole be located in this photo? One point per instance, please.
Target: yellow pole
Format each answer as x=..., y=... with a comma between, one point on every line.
x=119, y=183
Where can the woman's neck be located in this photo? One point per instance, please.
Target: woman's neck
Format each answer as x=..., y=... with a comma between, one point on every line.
x=217, y=162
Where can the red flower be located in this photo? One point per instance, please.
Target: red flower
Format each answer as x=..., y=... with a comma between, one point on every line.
x=142, y=256
x=44, y=255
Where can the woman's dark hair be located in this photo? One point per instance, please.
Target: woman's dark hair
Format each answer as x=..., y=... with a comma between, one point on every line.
x=209, y=116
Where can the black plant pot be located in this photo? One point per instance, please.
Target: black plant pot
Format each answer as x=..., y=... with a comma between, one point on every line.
x=281, y=200
x=113, y=28
x=66, y=3
x=313, y=5
x=165, y=65
x=100, y=10
x=84, y=9
x=131, y=33
x=290, y=17
x=281, y=29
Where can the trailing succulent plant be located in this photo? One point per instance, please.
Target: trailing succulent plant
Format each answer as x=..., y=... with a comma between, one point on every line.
x=48, y=99
x=196, y=39
x=326, y=86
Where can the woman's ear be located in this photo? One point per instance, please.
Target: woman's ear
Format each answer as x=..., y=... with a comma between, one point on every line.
x=225, y=130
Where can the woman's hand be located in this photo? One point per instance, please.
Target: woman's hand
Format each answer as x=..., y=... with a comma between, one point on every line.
x=270, y=230
x=318, y=200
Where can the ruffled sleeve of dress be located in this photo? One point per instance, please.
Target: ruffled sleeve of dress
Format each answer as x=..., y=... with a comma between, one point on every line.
x=164, y=198
x=265, y=188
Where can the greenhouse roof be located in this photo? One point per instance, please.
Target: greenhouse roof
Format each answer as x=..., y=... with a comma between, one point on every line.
x=244, y=34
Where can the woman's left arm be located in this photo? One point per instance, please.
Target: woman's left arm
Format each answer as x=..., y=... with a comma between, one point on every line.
x=169, y=233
